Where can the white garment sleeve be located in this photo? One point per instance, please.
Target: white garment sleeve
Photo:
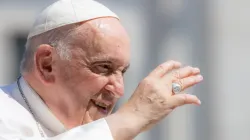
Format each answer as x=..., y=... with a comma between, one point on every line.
x=97, y=130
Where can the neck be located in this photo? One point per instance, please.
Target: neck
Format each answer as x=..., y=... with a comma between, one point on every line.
x=69, y=112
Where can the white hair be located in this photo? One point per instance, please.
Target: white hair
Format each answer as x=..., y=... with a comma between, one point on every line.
x=59, y=38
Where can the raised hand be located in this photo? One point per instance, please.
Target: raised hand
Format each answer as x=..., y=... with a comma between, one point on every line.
x=154, y=99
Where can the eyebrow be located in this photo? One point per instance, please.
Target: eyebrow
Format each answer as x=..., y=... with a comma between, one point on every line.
x=101, y=58
x=105, y=58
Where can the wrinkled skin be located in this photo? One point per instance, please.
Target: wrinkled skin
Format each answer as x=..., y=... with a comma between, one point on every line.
x=153, y=100
x=100, y=55
x=96, y=69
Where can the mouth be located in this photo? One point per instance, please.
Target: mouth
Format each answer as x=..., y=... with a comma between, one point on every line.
x=102, y=106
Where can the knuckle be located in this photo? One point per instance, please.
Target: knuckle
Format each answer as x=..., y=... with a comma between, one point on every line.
x=186, y=70
x=173, y=62
x=192, y=80
x=151, y=84
x=148, y=81
x=185, y=99
x=170, y=63
x=182, y=100
x=161, y=67
x=176, y=74
x=181, y=82
x=189, y=68
x=189, y=72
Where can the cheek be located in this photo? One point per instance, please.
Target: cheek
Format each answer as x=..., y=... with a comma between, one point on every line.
x=83, y=81
x=95, y=84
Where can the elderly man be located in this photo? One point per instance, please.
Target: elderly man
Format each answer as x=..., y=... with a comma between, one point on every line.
x=72, y=76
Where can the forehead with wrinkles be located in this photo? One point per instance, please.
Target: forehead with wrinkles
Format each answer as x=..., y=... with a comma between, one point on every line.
x=102, y=38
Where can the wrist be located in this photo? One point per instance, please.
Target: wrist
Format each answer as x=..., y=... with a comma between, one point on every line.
x=125, y=124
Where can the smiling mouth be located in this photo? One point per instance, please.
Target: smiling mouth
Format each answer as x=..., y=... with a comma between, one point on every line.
x=101, y=106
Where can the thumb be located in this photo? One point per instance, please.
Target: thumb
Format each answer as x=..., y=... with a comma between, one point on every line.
x=182, y=99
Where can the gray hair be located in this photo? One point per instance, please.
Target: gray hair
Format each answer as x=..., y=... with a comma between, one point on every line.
x=59, y=38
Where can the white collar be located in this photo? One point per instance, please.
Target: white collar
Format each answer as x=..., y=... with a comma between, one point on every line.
x=40, y=109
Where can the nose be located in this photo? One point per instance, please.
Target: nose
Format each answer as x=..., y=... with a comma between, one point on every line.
x=116, y=85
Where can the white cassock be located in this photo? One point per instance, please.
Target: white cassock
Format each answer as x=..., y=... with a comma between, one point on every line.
x=17, y=123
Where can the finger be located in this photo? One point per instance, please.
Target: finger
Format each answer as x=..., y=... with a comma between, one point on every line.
x=162, y=69
x=183, y=99
x=188, y=81
x=185, y=72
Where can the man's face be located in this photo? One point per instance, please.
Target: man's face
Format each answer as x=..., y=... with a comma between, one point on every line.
x=93, y=79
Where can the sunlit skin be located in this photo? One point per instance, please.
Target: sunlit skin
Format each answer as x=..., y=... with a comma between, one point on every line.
x=87, y=87
x=100, y=55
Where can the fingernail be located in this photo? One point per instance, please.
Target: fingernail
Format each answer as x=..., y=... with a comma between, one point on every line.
x=199, y=102
x=200, y=77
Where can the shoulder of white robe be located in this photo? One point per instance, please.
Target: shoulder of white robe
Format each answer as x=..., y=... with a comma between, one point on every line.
x=14, y=118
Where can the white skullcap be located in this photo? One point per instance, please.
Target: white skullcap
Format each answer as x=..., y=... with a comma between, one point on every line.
x=65, y=12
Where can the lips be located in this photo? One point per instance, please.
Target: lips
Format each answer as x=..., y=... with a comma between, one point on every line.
x=104, y=107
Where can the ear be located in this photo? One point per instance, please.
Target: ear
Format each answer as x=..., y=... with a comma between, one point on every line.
x=44, y=63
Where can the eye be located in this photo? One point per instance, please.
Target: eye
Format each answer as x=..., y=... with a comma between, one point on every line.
x=124, y=71
x=102, y=69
